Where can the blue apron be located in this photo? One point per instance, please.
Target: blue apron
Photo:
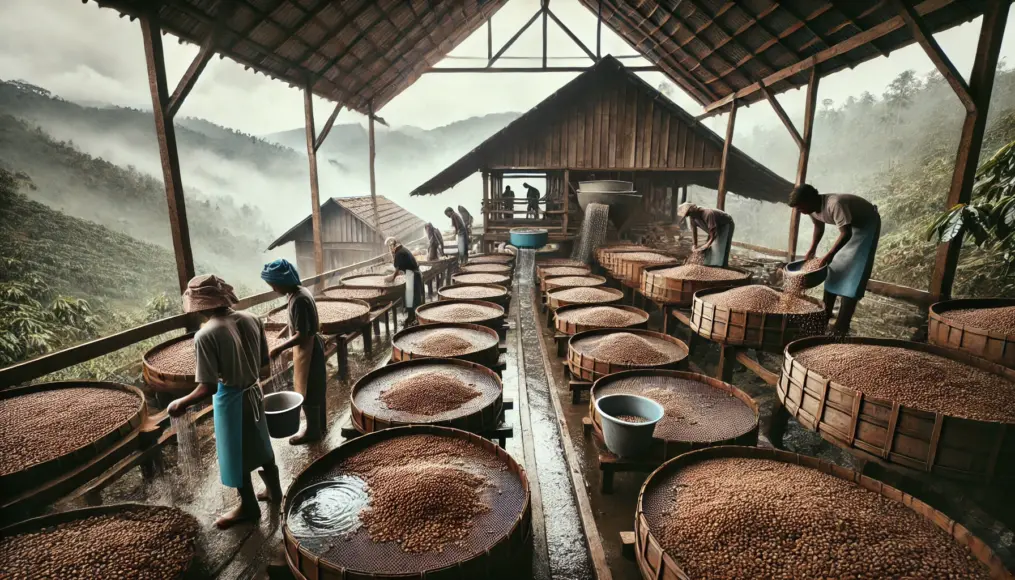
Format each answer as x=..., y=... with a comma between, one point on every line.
x=718, y=254
x=240, y=452
x=850, y=269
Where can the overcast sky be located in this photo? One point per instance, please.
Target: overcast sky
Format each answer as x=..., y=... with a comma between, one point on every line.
x=84, y=53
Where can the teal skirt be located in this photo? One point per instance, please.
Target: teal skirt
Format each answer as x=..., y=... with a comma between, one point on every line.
x=241, y=433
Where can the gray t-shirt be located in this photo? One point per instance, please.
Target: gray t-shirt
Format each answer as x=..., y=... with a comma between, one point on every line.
x=846, y=209
x=231, y=348
x=303, y=314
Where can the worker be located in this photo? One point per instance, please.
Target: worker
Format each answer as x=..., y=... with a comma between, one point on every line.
x=467, y=218
x=309, y=371
x=405, y=263
x=461, y=233
x=719, y=225
x=435, y=243
x=509, y=198
x=231, y=350
x=532, y=194
x=851, y=258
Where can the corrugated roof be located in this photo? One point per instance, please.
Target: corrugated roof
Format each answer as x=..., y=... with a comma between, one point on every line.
x=395, y=220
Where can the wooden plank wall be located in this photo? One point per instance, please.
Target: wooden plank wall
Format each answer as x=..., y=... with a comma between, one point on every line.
x=618, y=126
x=339, y=225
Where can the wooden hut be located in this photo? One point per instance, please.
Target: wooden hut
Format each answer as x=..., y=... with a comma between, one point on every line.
x=348, y=232
x=605, y=124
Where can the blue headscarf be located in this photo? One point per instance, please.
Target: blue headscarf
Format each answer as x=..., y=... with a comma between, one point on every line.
x=281, y=273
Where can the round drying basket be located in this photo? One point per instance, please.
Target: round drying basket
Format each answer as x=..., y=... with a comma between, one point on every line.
x=74, y=467
x=372, y=296
x=549, y=271
x=699, y=411
x=482, y=278
x=408, y=343
x=486, y=292
x=994, y=346
x=481, y=414
x=441, y=311
x=949, y=446
x=565, y=317
x=350, y=314
x=495, y=258
x=502, y=269
x=498, y=544
x=680, y=293
x=653, y=499
x=630, y=265
x=587, y=281
x=166, y=382
x=587, y=367
x=766, y=331
x=554, y=300
x=392, y=290
x=185, y=560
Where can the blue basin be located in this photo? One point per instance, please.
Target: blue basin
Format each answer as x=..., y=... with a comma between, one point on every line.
x=534, y=238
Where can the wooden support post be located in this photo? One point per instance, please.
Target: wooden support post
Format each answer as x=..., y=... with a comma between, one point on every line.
x=315, y=198
x=544, y=31
x=981, y=83
x=567, y=197
x=599, y=29
x=373, y=178
x=166, y=134
x=683, y=195
x=944, y=65
x=486, y=202
x=810, y=107
x=727, y=144
x=489, y=39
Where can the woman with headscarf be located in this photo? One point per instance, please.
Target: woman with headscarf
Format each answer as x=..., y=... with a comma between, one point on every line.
x=405, y=263
x=718, y=224
x=467, y=218
x=232, y=354
x=461, y=233
x=435, y=243
x=310, y=377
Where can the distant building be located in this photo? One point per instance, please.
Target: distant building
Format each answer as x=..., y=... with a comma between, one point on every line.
x=348, y=235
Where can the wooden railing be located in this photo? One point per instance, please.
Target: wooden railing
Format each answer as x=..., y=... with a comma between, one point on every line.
x=55, y=361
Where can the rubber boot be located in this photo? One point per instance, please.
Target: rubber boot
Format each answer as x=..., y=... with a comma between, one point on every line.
x=312, y=431
x=272, y=485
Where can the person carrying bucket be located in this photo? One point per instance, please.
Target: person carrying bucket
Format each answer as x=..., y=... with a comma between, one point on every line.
x=851, y=258
x=405, y=263
x=461, y=233
x=232, y=354
x=718, y=224
x=310, y=377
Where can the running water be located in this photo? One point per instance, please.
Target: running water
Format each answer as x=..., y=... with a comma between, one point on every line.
x=277, y=381
x=328, y=509
x=526, y=265
x=187, y=452
x=593, y=232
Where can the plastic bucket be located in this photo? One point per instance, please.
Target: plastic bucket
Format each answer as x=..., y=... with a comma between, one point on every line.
x=282, y=410
x=625, y=438
x=806, y=280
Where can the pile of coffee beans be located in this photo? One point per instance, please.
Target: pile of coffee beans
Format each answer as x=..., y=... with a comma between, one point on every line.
x=461, y=312
x=367, y=294
x=493, y=268
x=445, y=343
x=584, y=295
x=573, y=281
x=699, y=273
x=645, y=257
x=915, y=379
x=602, y=316
x=696, y=258
x=179, y=358
x=564, y=271
x=329, y=311
x=374, y=281
x=629, y=349
x=481, y=278
x=758, y=518
x=428, y=393
x=135, y=543
x=759, y=298
x=38, y=427
x=631, y=418
x=472, y=292
x=1000, y=320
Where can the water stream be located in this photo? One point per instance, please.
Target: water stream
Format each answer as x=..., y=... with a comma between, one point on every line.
x=187, y=452
x=593, y=232
x=329, y=509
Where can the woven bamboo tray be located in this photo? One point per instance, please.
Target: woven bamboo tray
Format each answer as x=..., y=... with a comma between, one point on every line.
x=680, y=293
x=555, y=282
x=372, y=296
x=502, y=298
x=426, y=313
x=655, y=563
x=501, y=556
x=41, y=474
x=993, y=346
x=589, y=368
x=663, y=449
x=163, y=382
x=766, y=331
x=629, y=269
x=565, y=326
x=486, y=352
x=488, y=268
x=333, y=326
x=958, y=448
x=554, y=302
x=481, y=278
x=477, y=416
x=392, y=290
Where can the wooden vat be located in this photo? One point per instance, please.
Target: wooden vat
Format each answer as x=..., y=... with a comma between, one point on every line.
x=767, y=331
x=489, y=268
x=498, y=294
x=494, y=258
x=680, y=293
x=565, y=326
x=954, y=447
x=656, y=563
x=486, y=351
x=392, y=290
x=554, y=301
x=166, y=382
x=481, y=278
x=430, y=313
x=326, y=325
x=477, y=416
x=555, y=282
x=589, y=368
x=605, y=255
x=372, y=296
x=504, y=554
x=993, y=346
x=630, y=265
x=546, y=271
x=668, y=447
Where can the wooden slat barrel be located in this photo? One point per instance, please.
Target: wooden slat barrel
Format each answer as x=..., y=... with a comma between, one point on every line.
x=494, y=258
x=587, y=367
x=485, y=351
x=725, y=400
x=162, y=381
x=680, y=293
x=767, y=331
x=630, y=265
x=328, y=325
x=498, y=546
x=547, y=271
x=489, y=292
x=954, y=447
x=588, y=281
x=477, y=416
x=563, y=322
x=434, y=312
x=656, y=563
x=994, y=346
x=392, y=290
x=605, y=255
x=556, y=297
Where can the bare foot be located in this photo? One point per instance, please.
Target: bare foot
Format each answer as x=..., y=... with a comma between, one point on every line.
x=238, y=515
x=267, y=496
x=305, y=436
